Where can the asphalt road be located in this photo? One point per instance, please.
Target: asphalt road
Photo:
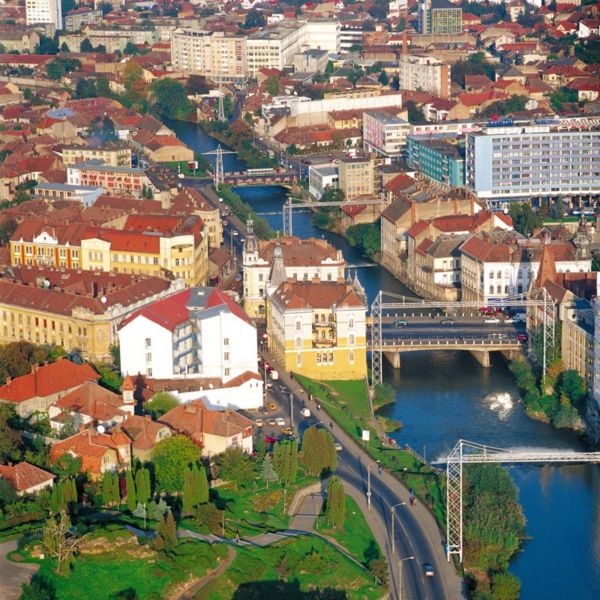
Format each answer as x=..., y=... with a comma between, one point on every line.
x=413, y=538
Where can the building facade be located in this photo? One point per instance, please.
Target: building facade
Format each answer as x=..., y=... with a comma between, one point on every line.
x=357, y=177
x=115, y=180
x=439, y=17
x=318, y=329
x=424, y=73
x=384, y=134
x=209, y=53
x=113, y=154
x=438, y=159
x=304, y=260
x=522, y=163
x=44, y=12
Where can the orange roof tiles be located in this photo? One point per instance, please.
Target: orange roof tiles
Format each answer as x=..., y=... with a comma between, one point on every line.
x=47, y=380
x=24, y=476
x=324, y=294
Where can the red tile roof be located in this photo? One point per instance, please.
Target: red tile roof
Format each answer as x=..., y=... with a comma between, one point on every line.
x=47, y=380
x=24, y=476
x=168, y=312
x=324, y=294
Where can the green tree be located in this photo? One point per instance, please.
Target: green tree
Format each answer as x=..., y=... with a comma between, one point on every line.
x=131, y=49
x=260, y=447
x=366, y=237
x=525, y=219
x=188, y=498
x=160, y=404
x=86, y=46
x=272, y=85
x=85, y=88
x=197, y=84
x=59, y=67
x=254, y=18
x=130, y=490
x=142, y=485
x=165, y=541
x=235, y=466
x=64, y=48
x=506, y=586
x=46, y=45
x=103, y=87
x=67, y=465
x=415, y=116
x=505, y=107
x=318, y=451
x=267, y=473
x=383, y=78
x=202, y=493
x=336, y=503
x=171, y=458
x=169, y=99
x=10, y=438
x=8, y=495
x=39, y=587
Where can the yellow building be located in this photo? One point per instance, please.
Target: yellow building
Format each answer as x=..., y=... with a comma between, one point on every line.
x=156, y=245
x=357, y=177
x=114, y=154
x=318, y=328
x=77, y=310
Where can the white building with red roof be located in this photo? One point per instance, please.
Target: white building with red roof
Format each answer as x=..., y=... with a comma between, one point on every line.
x=25, y=478
x=45, y=385
x=197, y=334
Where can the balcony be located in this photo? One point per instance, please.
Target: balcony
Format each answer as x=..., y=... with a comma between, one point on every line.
x=324, y=343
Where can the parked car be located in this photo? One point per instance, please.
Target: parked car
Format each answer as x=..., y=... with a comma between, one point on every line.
x=280, y=421
x=273, y=374
x=305, y=412
x=269, y=439
x=522, y=337
x=401, y=323
x=492, y=320
x=287, y=431
x=271, y=422
x=428, y=570
x=272, y=406
x=447, y=322
x=338, y=447
x=259, y=422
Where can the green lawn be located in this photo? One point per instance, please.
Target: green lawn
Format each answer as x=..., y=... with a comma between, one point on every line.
x=347, y=403
x=185, y=170
x=356, y=536
x=103, y=576
x=251, y=511
x=288, y=570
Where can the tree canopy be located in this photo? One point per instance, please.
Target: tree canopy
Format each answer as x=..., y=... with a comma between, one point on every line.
x=172, y=457
x=169, y=99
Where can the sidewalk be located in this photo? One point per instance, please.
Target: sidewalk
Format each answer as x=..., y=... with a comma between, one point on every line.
x=428, y=526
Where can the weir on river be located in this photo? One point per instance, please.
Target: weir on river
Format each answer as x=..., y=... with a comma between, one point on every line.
x=444, y=396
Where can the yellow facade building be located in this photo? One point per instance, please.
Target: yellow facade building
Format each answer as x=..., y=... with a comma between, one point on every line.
x=318, y=329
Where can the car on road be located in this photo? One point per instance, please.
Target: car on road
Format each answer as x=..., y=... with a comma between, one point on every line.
x=522, y=337
x=287, y=431
x=269, y=439
x=447, y=322
x=235, y=232
x=338, y=447
x=305, y=412
x=271, y=422
x=509, y=320
x=492, y=320
x=280, y=421
x=428, y=570
x=259, y=422
x=401, y=323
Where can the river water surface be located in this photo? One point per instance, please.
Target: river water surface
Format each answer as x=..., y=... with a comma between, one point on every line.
x=442, y=397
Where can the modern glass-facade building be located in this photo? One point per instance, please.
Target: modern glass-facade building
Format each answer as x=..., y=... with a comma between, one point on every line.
x=525, y=163
x=438, y=159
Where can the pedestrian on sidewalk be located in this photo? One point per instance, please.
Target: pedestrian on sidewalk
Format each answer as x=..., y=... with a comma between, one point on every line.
x=237, y=536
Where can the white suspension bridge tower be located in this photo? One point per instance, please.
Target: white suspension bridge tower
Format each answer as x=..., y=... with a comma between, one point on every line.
x=219, y=173
x=472, y=453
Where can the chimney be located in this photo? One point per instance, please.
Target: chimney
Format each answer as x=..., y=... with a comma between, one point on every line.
x=8, y=379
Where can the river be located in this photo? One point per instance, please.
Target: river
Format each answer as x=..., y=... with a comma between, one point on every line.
x=442, y=397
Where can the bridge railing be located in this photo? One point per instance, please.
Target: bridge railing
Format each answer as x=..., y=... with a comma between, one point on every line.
x=490, y=341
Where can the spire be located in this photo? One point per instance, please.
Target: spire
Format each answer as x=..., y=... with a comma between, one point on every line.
x=547, y=270
x=250, y=243
x=278, y=274
x=582, y=239
x=358, y=288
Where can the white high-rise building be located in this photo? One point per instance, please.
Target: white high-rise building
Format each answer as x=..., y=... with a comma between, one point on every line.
x=44, y=12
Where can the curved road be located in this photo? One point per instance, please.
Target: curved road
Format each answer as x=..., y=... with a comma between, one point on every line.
x=416, y=531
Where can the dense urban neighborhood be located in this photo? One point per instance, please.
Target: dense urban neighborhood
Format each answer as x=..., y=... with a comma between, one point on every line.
x=299, y=299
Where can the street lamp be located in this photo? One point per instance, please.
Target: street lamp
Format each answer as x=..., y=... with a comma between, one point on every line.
x=393, y=511
x=400, y=574
x=375, y=462
x=292, y=409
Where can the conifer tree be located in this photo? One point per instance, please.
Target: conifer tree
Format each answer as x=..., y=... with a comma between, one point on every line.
x=267, y=472
x=54, y=503
x=107, y=488
x=130, y=489
x=116, y=491
x=188, y=492
x=293, y=473
x=73, y=486
x=203, y=494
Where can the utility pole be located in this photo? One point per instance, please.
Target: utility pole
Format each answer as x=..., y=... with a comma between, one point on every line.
x=400, y=574
x=219, y=176
x=292, y=409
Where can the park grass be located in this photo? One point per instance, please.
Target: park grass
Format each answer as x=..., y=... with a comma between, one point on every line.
x=185, y=169
x=347, y=403
x=104, y=576
x=256, y=510
x=356, y=536
x=288, y=569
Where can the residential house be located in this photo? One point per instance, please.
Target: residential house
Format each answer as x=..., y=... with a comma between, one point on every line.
x=25, y=478
x=214, y=431
x=98, y=452
x=44, y=385
x=144, y=434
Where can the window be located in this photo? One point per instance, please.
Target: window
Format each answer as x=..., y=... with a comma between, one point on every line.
x=351, y=339
x=260, y=276
x=298, y=359
x=298, y=326
x=351, y=356
x=225, y=341
x=149, y=372
x=351, y=323
x=298, y=342
x=227, y=372
x=148, y=343
x=226, y=356
x=318, y=358
x=491, y=289
x=148, y=357
x=331, y=357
